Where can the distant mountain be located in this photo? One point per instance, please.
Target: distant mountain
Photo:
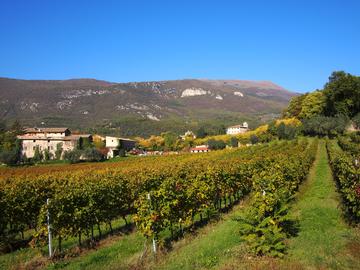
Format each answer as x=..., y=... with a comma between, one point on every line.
x=140, y=108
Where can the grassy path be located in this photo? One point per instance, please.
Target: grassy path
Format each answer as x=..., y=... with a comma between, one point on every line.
x=324, y=238
x=116, y=254
x=213, y=245
x=116, y=249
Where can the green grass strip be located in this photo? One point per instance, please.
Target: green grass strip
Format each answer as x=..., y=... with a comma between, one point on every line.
x=213, y=244
x=323, y=235
x=116, y=254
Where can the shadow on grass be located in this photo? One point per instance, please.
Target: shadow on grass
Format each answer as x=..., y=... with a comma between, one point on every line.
x=199, y=222
x=291, y=227
x=93, y=243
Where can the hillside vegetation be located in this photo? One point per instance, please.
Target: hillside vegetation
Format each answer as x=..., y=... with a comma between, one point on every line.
x=140, y=108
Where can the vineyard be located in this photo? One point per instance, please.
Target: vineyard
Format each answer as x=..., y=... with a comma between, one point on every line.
x=167, y=196
x=345, y=164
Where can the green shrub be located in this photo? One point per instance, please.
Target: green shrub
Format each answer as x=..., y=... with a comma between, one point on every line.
x=92, y=154
x=73, y=156
x=216, y=144
x=325, y=126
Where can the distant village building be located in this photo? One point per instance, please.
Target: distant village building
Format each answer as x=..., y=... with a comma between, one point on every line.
x=200, y=149
x=115, y=143
x=48, y=139
x=188, y=134
x=154, y=153
x=238, y=129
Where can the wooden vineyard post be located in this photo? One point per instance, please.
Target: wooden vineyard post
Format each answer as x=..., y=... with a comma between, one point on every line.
x=49, y=229
x=153, y=240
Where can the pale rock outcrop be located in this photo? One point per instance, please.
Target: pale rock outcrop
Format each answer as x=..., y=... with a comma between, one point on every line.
x=191, y=92
x=238, y=94
x=152, y=117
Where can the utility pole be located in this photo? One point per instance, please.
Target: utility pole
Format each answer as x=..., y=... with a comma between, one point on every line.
x=153, y=240
x=49, y=229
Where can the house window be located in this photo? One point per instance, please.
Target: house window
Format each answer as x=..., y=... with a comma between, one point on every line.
x=48, y=141
x=48, y=147
x=34, y=148
x=34, y=140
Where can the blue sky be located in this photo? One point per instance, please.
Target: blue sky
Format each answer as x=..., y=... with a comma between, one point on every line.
x=296, y=44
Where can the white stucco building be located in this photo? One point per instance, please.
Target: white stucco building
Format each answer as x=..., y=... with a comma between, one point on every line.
x=238, y=129
x=49, y=138
x=113, y=143
x=188, y=134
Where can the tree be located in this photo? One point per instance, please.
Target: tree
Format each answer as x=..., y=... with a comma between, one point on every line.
x=325, y=126
x=154, y=143
x=11, y=156
x=73, y=156
x=220, y=130
x=83, y=143
x=8, y=157
x=58, y=151
x=216, y=144
x=38, y=156
x=47, y=155
x=10, y=146
x=266, y=137
x=86, y=143
x=295, y=106
x=92, y=154
x=286, y=132
x=99, y=144
x=313, y=104
x=234, y=142
x=17, y=128
x=170, y=140
x=272, y=128
x=201, y=133
x=122, y=152
x=342, y=94
x=7, y=141
x=254, y=139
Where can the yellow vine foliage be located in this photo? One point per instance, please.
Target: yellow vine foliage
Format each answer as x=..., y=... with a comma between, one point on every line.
x=289, y=122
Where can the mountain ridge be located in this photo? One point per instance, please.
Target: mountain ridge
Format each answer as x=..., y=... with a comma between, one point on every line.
x=85, y=103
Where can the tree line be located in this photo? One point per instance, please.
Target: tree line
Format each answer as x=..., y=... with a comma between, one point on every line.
x=327, y=112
